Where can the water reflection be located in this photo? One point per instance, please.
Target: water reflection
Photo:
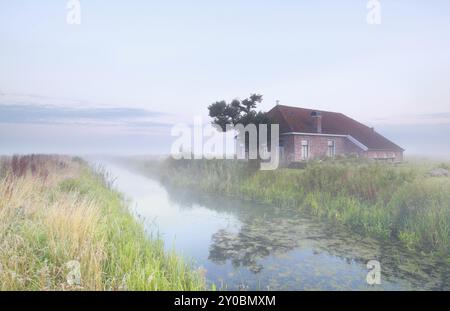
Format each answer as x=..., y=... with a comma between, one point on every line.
x=243, y=245
x=253, y=242
x=271, y=232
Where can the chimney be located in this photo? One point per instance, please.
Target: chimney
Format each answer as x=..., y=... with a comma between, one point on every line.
x=317, y=117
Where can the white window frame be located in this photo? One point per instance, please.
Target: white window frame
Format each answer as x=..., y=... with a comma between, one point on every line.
x=305, y=155
x=331, y=142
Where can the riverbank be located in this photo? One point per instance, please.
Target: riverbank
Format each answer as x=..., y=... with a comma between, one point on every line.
x=62, y=227
x=383, y=201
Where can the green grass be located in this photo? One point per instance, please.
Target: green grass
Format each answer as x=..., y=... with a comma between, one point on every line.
x=135, y=262
x=74, y=215
x=381, y=200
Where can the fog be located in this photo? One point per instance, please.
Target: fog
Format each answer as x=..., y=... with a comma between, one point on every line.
x=430, y=140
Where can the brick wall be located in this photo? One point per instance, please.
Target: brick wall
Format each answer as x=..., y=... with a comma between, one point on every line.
x=288, y=144
x=385, y=155
x=318, y=148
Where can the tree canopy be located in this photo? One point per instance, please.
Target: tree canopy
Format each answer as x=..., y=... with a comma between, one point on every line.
x=238, y=112
x=241, y=112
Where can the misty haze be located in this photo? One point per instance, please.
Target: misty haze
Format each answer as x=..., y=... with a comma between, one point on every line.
x=224, y=146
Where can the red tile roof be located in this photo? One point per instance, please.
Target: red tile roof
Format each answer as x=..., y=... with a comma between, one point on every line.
x=294, y=119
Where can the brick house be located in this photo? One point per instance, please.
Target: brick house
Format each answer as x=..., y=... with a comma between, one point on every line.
x=310, y=134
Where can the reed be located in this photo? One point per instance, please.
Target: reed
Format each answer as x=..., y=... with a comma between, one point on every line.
x=69, y=214
x=385, y=201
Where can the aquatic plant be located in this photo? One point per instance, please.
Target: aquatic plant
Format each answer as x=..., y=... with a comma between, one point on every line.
x=382, y=200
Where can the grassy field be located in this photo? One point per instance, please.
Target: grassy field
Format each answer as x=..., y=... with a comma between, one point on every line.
x=381, y=200
x=57, y=214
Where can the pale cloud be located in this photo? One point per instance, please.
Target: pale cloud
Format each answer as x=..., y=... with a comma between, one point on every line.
x=38, y=109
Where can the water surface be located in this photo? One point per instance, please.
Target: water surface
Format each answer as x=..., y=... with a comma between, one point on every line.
x=241, y=245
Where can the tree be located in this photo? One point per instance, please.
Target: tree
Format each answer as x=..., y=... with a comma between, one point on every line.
x=240, y=112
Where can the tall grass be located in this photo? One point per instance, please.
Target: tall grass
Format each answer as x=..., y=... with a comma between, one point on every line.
x=69, y=214
x=381, y=200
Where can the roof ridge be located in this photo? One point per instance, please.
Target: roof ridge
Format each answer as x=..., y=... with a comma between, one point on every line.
x=295, y=107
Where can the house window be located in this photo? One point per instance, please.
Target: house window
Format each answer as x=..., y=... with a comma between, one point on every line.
x=331, y=148
x=305, y=150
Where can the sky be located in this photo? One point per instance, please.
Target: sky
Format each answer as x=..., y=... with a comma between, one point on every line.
x=118, y=81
